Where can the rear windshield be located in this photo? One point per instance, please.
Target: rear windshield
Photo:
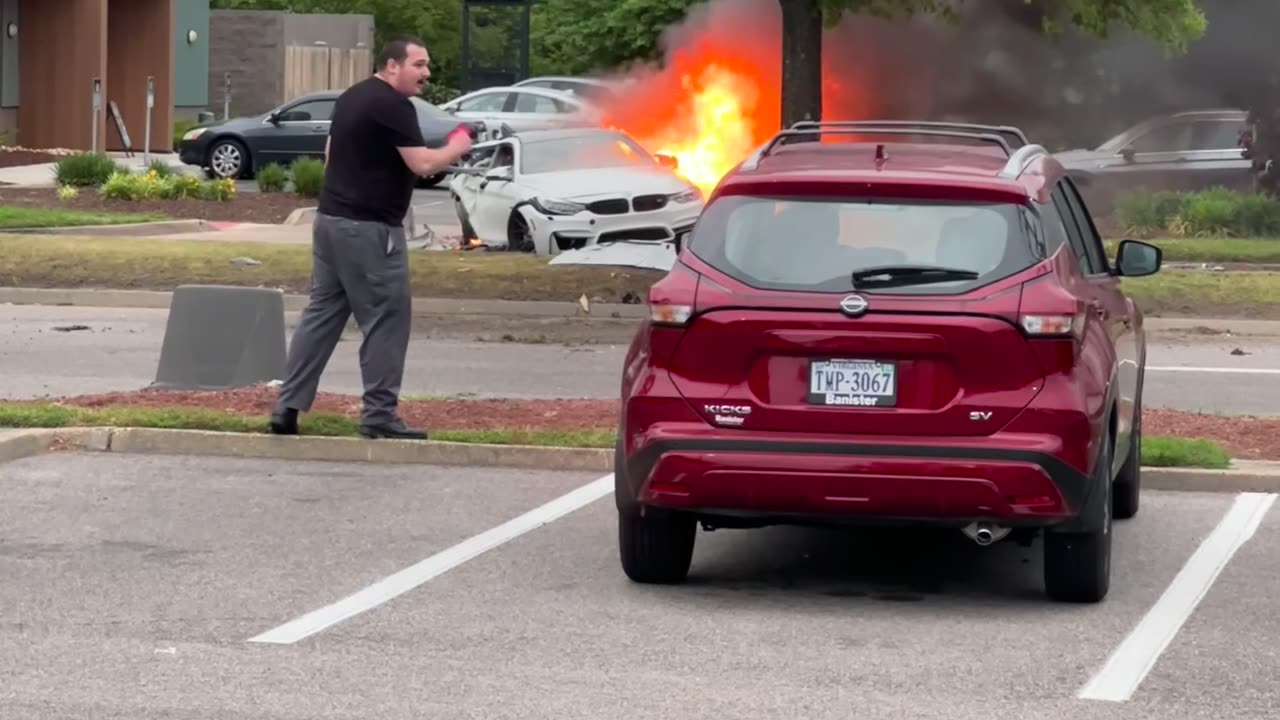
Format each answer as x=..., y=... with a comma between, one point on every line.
x=814, y=244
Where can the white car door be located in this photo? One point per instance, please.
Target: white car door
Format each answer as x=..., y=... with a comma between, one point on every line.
x=466, y=185
x=496, y=196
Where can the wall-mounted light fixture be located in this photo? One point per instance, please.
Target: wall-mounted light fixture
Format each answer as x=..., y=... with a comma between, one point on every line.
x=11, y=30
x=192, y=36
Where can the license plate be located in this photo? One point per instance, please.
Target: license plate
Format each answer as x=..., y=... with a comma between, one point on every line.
x=853, y=383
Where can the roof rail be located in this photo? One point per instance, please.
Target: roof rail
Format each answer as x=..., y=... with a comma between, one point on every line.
x=924, y=124
x=1019, y=161
x=870, y=129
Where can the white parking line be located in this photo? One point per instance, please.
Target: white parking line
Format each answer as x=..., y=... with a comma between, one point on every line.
x=1134, y=658
x=1241, y=371
x=443, y=561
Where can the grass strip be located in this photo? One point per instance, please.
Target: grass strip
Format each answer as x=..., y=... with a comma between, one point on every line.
x=15, y=217
x=1159, y=451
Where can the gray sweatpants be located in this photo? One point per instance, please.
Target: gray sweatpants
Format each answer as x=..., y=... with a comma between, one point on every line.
x=359, y=268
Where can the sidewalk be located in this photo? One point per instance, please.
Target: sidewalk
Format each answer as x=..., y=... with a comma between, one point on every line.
x=41, y=175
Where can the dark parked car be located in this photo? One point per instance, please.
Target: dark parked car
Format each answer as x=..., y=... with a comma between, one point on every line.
x=889, y=332
x=1182, y=152
x=238, y=147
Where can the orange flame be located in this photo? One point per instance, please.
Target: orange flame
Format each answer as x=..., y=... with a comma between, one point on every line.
x=709, y=110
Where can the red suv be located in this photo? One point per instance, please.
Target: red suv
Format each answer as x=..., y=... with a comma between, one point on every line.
x=919, y=332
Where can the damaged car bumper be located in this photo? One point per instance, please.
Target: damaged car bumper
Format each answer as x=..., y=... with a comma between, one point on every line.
x=554, y=234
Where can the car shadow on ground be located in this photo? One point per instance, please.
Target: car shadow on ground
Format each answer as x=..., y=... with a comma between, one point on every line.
x=881, y=565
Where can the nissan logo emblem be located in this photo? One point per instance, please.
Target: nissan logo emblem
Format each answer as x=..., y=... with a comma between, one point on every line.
x=853, y=305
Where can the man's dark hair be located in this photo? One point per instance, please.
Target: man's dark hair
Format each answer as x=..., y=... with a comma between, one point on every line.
x=397, y=48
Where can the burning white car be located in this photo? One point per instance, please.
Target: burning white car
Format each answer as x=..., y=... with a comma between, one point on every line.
x=585, y=194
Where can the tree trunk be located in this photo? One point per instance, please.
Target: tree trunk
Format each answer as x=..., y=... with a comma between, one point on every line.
x=801, y=61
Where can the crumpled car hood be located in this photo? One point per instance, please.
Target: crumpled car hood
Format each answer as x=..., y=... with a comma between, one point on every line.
x=629, y=253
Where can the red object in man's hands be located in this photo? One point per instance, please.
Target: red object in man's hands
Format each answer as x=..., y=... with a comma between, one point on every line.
x=461, y=131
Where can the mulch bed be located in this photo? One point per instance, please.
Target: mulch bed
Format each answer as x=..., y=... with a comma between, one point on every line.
x=247, y=207
x=1245, y=438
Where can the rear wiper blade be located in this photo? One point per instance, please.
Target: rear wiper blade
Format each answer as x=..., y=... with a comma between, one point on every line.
x=896, y=275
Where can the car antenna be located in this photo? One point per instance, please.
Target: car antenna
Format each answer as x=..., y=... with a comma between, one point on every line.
x=880, y=155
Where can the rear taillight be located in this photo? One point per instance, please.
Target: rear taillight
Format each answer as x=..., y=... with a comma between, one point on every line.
x=671, y=299
x=1053, y=325
x=668, y=314
x=1054, y=322
x=671, y=306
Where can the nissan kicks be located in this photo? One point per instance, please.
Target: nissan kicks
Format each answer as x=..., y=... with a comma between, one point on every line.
x=889, y=322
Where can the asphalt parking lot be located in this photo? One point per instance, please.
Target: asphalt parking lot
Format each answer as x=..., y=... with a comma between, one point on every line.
x=170, y=587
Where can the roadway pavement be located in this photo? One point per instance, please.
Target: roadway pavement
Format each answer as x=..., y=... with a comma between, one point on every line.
x=148, y=587
x=119, y=349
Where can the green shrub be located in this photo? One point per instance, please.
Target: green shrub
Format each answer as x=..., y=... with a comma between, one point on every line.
x=182, y=187
x=1216, y=212
x=272, y=178
x=154, y=186
x=308, y=176
x=219, y=190
x=160, y=167
x=84, y=169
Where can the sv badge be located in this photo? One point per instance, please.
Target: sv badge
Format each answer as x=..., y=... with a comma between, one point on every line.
x=980, y=415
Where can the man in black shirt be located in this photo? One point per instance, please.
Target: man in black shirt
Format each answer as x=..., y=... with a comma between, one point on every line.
x=360, y=263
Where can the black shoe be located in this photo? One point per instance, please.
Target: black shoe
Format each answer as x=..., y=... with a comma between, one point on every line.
x=394, y=429
x=284, y=422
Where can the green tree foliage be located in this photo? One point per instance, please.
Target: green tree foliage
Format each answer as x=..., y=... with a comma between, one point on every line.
x=582, y=36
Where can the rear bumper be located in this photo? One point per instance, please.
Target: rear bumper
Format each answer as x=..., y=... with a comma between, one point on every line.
x=849, y=481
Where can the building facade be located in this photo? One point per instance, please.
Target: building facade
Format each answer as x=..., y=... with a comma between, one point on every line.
x=53, y=51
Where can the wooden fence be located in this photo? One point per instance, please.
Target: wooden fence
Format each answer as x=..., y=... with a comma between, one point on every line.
x=308, y=69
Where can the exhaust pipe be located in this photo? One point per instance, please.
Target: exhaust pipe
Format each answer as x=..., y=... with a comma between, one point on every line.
x=985, y=533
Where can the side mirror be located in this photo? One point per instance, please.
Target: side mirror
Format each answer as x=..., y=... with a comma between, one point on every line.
x=274, y=118
x=668, y=161
x=1137, y=259
x=1128, y=154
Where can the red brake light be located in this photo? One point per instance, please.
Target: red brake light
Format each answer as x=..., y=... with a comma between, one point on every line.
x=1054, y=322
x=672, y=299
x=1053, y=325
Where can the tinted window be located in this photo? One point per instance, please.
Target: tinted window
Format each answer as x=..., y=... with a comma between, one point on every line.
x=814, y=244
x=488, y=102
x=1174, y=137
x=1217, y=135
x=582, y=152
x=311, y=111
x=530, y=103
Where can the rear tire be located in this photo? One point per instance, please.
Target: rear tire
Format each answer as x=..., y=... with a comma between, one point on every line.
x=1077, y=566
x=656, y=549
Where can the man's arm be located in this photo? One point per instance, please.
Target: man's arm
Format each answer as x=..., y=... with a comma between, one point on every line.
x=424, y=161
x=401, y=122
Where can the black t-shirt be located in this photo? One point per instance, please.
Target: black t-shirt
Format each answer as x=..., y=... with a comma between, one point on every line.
x=366, y=179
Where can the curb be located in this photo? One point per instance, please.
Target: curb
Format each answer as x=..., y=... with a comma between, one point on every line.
x=301, y=216
x=161, y=299
x=18, y=444
x=154, y=441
